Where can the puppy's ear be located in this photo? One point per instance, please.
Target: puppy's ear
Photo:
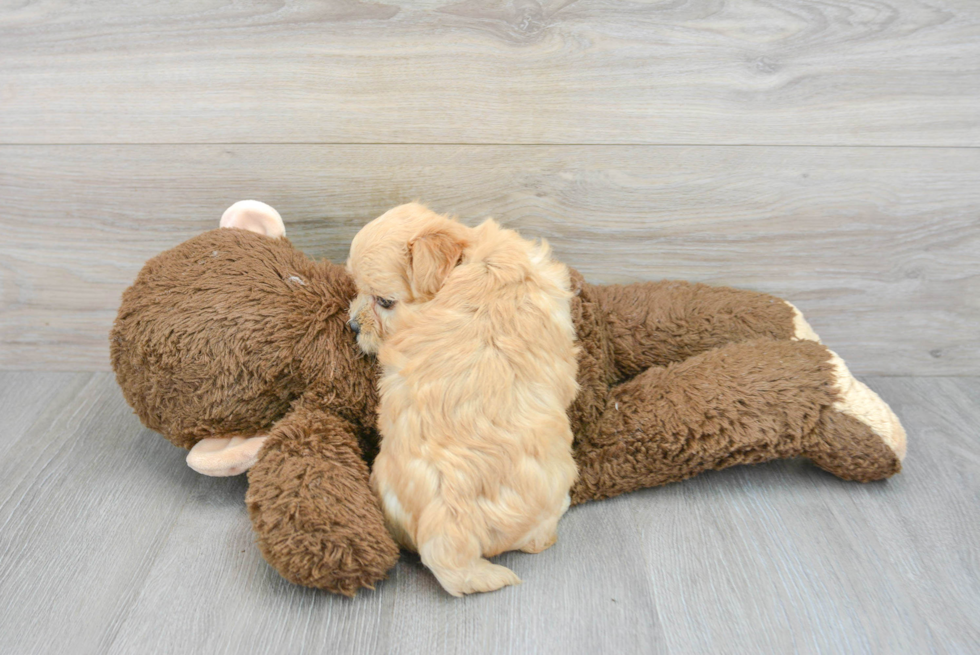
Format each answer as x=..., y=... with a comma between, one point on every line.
x=433, y=256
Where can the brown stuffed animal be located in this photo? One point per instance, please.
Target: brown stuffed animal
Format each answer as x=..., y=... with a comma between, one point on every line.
x=235, y=345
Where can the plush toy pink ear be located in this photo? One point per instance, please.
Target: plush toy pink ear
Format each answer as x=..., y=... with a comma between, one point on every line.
x=220, y=458
x=254, y=216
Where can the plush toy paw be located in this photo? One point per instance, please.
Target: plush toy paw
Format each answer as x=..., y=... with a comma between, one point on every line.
x=801, y=329
x=225, y=457
x=860, y=402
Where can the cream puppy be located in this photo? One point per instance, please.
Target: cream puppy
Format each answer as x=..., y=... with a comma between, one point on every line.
x=473, y=329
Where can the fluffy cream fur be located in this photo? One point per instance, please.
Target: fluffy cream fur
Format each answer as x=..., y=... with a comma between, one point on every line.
x=479, y=359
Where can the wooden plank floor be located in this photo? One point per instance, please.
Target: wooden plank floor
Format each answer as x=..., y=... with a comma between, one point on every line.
x=786, y=72
x=110, y=544
x=824, y=152
x=878, y=246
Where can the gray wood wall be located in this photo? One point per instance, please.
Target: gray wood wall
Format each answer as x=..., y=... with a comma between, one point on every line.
x=825, y=152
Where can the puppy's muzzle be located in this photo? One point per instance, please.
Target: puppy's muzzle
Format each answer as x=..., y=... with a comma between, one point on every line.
x=354, y=326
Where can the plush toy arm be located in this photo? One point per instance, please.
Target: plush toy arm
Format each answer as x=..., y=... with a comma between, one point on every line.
x=656, y=323
x=315, y=517
x=743, y=403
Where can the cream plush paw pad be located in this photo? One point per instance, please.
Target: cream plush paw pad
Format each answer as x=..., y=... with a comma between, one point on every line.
x=860, y=402
x=801, y=329
x=224, y=457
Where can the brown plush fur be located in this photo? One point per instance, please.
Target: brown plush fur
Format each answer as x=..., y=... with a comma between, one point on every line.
x=235, y=333
x=232, y=333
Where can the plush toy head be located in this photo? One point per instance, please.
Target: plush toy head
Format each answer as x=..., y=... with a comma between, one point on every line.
x=220, y=335
x=235, y=345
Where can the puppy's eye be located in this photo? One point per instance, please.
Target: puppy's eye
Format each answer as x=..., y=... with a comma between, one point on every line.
x=385, y=303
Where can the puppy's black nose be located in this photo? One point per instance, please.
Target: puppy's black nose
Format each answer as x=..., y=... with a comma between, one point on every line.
x=354, y=326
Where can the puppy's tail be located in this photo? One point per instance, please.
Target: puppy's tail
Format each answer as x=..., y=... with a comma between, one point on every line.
x=459, y=568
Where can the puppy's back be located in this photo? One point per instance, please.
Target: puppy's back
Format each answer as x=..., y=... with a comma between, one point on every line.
x=499, y=333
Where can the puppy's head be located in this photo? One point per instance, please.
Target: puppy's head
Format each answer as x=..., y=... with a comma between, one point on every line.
x=399, y=259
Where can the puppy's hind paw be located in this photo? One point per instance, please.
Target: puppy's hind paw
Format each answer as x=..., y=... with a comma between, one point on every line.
x=540, y=544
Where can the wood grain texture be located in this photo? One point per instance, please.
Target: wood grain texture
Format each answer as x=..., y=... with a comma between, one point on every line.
x=250, y=609
x=878, y=246
x=78, y=525
x=23, y=395
x=109, y=544
x=791, y=72
x=790, y=559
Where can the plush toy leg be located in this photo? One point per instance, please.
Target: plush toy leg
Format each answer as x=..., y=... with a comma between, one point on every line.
x=743, y=403
x=656, y=323
x=224, y=457
x=314, y=514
